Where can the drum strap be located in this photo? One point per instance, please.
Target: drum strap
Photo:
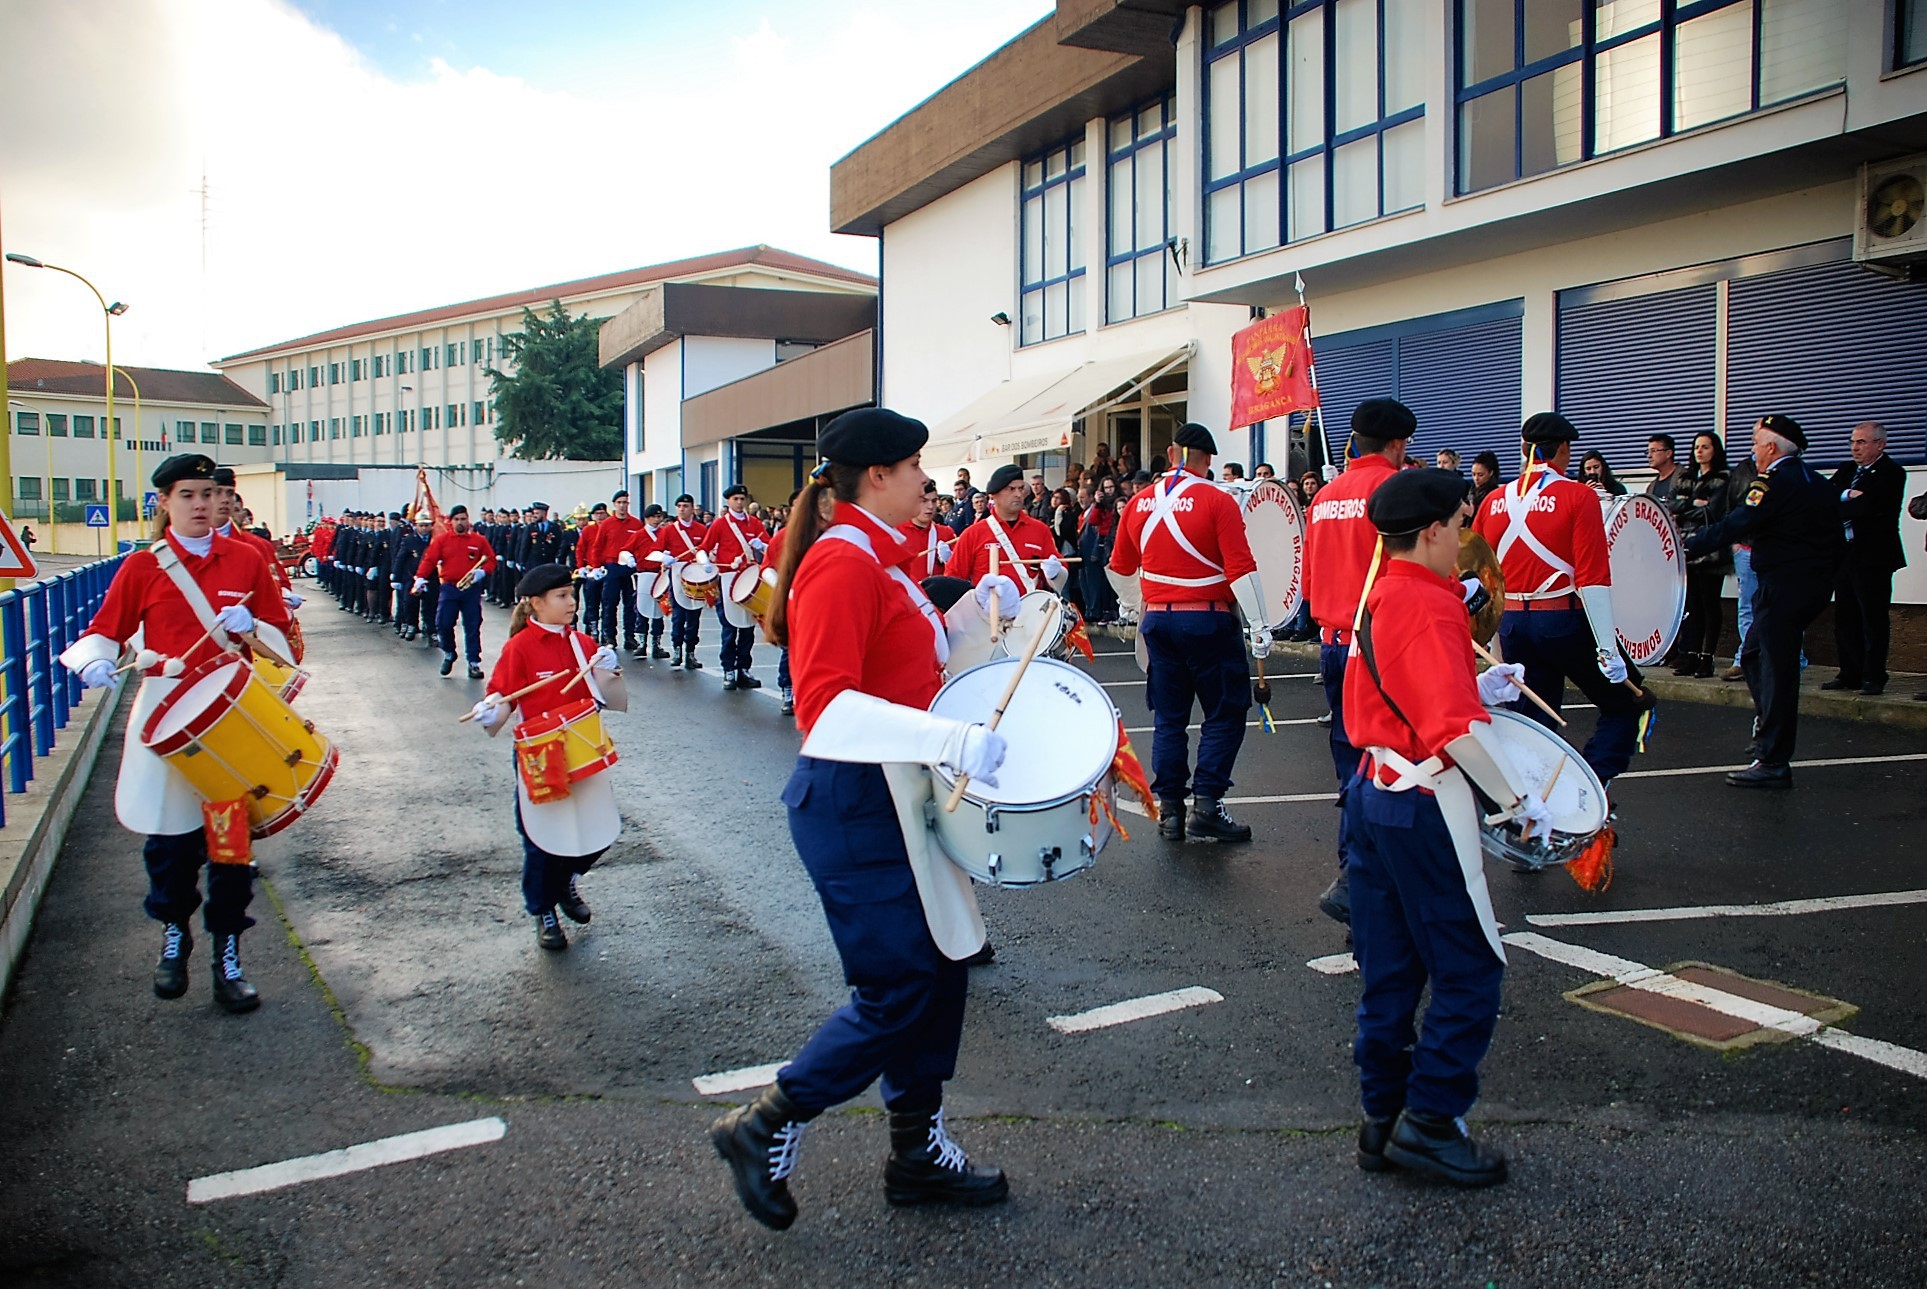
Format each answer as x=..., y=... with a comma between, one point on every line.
x=857, y=537
x=1518, y=510
x=1163, y=516
x=1021, y=575
x=742, y=539
x=170, y=562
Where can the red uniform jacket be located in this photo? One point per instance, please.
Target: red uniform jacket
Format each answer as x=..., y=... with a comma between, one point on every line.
x=141, y=595
x=537, y=653
x=1030, y=538
x=1339, y=541
x=456, y=556
x=1211, y=522
x=1423, y=648
x=585, y=545
x=612, y=537
x=646, y=546
x=920, y=550
x=853, y=626
x=1562, y=515
x=722, y=544
x=678, y=539
x=266, y=549
x=321, y=543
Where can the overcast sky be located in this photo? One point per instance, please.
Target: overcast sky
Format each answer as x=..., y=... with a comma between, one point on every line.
x=365, y=158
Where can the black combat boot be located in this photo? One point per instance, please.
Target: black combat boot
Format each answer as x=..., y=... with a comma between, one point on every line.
x=1211, y=820
x=231, y=987
x=1443, y=1148
x=548, y=931
x=1336, y=902
x=474, y=672
x=655, y=648
x=1373, y=1134
x=573, y=904
x=760, y=1142
x=729, y=680
x=170, y=973
x=448, y=663
x=926, y=1167
x=746, y=681
x=690, y=661
x=789, y=702
x=1171, y=820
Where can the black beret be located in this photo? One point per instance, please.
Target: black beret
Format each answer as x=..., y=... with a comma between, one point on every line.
x=929, y=485
x=945, y=591
x=1787, y=428
x=457, y=509
x=224, y=476
x=542, y=579
x=188, y=465
x=652, y=510
x=871, y=436
x=685, y=497
x=619, y=494
x=1002, y=477
x=1414, y=499
x=1195, y=437
x=1384, y=419
x=735, y=490
x=394, y=514
x=1548, y=427
x=600, y=505
x=538, y=505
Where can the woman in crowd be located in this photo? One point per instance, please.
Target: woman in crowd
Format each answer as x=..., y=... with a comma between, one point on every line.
x=1485, y=478
x=1700, y=498
x=1096, y=523
x=1596, y=474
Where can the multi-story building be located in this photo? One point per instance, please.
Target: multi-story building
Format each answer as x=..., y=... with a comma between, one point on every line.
x=58, y=419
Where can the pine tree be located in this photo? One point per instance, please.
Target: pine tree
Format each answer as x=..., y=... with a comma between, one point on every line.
x=558, y=401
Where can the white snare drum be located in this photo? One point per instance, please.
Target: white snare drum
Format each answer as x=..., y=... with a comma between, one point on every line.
x=1577, y=801
x=1037, y=824
x=1649, y=576
x=1040, y=612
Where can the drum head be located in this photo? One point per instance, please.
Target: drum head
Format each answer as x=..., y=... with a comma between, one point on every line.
x=200, y=691
x=1039, y=611
x=1649, y=577
x=742, y=584
x=1060, y=725
x=1276, y=530
x=1577, y=801
x=659, y=584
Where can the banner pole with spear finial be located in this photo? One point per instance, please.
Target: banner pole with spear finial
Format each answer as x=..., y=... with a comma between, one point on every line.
x=1311, y=367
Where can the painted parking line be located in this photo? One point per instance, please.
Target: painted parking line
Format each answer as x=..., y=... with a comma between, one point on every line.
x=1693, y=912
x=750, y=1076
x=1250, y=725
x=1334, y=964
x=1638, y=975
x=353, y=1159
x=1134, y=1009
x=1290, y=675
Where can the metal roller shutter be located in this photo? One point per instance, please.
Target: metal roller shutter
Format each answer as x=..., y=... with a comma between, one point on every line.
x=1463, y=384
x=1830, y=345
x=1637, y=366
x=1347, y=376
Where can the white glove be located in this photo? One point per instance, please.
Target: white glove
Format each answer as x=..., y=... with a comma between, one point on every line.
x=606, y=659
x=490, y=711
x=627, y=559
x=1260, y=643
x=1052, y=568
x=981, y=752
x=1612, y=666
x=1501, y=683
x=758, y=546
x=1533, y=816
x=1007, y=594
x=598, y=573
x=292, y=600
x=235, y=619
x=98, y=674
x=943, y=550
x=421, y=585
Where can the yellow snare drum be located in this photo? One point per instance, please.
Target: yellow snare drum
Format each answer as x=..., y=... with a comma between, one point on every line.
x=586, y=749
x=285, y=681
x=754, y=589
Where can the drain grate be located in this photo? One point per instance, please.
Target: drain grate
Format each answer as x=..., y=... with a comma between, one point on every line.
x=1697, y=1023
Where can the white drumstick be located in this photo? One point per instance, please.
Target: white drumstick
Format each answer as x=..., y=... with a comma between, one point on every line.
x=1010, y=691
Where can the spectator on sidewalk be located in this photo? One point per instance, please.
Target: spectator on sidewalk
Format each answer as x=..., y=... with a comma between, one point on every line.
x=1037, y=504
x=1096, y=525
x=1699, y=500
x=1447, y=459
x=1596, y=473
x=1486, y=479
x=1659, y=457
x=1870, y=489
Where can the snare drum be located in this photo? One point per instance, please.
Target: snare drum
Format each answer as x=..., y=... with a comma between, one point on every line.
x=1040, y=612
x=1037, y=825
x=229, y=735
x=1577, y=801
x=754, y=590
x=696, y=584
x=1649, y=576
x=285, y=681
x=586, y=748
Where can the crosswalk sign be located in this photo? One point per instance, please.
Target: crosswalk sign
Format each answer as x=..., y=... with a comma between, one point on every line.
x=97, y=516
x=15, y=559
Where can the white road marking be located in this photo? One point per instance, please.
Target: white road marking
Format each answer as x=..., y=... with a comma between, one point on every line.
x=1637, y=975
x=1134, y=1009
x=354, y=1159
x=1334, y=964
x=1295, y=675
x=1250, y=725
x=1816, y=764
x=750, y=1076
x=1778, y=909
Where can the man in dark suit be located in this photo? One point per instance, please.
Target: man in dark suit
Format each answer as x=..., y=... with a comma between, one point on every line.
x=1871, y=489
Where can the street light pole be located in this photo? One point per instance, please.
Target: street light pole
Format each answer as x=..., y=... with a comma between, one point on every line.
x=140, y=472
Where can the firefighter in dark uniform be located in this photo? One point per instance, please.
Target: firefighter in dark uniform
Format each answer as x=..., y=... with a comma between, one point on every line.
x=414, y=610
x=1790, y=516
x=542, y=538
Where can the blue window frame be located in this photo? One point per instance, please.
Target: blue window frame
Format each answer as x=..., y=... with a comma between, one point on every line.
x=1910, y=35
x=1313, y=116
x=1139, y=272
x=1547, y=83
x=1052, y=248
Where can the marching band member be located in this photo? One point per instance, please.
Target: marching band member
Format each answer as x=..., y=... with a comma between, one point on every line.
x=682, y=540
x=1414, y=702
x=1550, y=536
x=416, y=610
x=463, y=559
x=588, y=569
x=184, y=595
x=321, y=545
x=1188, y=537
x=646, y=549
x=1017, y=537
x=228, y=506
x=619, y=581
x=930, y=541
x=868, y=653
x=561, y=840
x=735, y=540
x=1339, y=545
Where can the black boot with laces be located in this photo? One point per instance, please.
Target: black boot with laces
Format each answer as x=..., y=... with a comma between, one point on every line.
x=573, y=905
x=760, y=1142
x=927, y=1167
x=170, y=973
x=1209, y=819
x=231, y=987
x=1444, y=1148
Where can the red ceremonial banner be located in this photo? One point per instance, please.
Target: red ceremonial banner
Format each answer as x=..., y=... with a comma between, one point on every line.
x=544, y=763
x=425, y=500
x=229, y=839
x=1271, y=368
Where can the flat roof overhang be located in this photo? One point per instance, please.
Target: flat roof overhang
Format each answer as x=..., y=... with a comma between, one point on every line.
x=678, y=309
x=831, y=379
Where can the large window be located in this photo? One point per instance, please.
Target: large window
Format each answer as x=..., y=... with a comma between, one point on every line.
x=57, y=425
x=1137, y=262
x=1545, y=83
x=83, y=427
x=1053, y=244
x=257, y=436
x=1314, y=119
x=232, y=435
x=1910, y=45
x=27, y=422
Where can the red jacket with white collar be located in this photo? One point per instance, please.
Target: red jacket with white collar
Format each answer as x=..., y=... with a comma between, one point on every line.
x=537, y=653
x=724, y=545
x=920, y=558
x=142, y=595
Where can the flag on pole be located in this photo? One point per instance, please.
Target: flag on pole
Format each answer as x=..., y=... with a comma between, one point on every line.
x=1271, y=368
x=425, y=500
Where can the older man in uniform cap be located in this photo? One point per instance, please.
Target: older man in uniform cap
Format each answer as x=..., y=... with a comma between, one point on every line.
x=1188, y=537
x=1791, y=518
x=1550, y=537
x=1026, y=551
x=1339, y=545
x=412, y=612
x=1421, y=915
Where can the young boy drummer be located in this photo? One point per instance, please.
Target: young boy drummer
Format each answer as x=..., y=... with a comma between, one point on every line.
x=185, y=596
x=1415, y=706
x=561, y=839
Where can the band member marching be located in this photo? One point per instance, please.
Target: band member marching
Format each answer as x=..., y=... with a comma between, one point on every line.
x=1017, y=538
x=736, y=539
x=646, y=553
x=1188, y=538
x=867, y=656
x=682, y=540
x=930, y=541
x=185, y=595
x=1420, y=912
x=561, y=838
x=463, y=559
x=589, y=570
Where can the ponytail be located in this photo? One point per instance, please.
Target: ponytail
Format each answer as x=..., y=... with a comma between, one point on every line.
x=807, y=522
x=519, y=616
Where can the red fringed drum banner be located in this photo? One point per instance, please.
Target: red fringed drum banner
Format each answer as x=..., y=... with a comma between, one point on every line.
x=229, y=836
x=544, y=763
x=1271, y=368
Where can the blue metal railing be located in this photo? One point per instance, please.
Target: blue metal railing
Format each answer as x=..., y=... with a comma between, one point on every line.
x=37, y=622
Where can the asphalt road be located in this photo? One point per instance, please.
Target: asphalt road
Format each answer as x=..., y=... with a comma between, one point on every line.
x=1210, y=1145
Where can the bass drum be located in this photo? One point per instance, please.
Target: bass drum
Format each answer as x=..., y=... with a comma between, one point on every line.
x=1275, y=528
x=1649, y=576
x=1535, y=755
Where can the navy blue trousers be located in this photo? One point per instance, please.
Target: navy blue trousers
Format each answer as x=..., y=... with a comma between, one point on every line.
x=1331, y=674
x=619, y=596
x=737, y=643
x=904, y=1020
x=1195, y=658
x=591, y=606
x=1784, y=606
x=1413, y=924
x=468, y=605
x=685, y=625
x=174, y=864
x=783, y=668
x=1556, y=646
x=545, y=877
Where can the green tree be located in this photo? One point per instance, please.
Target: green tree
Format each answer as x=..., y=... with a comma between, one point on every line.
x=558, y=401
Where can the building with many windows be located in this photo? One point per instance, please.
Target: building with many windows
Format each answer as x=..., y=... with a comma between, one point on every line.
x=57, y=413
